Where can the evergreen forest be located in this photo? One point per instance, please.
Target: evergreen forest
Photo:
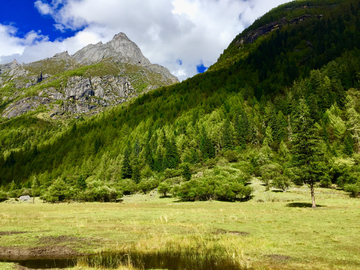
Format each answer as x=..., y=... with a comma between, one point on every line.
x=281, y=104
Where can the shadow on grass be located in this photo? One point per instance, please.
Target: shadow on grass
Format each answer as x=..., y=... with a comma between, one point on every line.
x=303, y=205
x=279, y=191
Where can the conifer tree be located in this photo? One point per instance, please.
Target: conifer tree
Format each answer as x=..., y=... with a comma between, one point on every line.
x=81, y=183
x=126, y=170
x=241, y=129
x=348, y=144
x=186, y=172
x=136, y=174
x=227, y=141
x=172, y=158
x=206, y=146
x=158, y=161
x=307, y=156
x=149, y=159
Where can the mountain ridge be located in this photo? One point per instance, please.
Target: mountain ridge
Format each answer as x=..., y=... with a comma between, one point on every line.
x=124, y=63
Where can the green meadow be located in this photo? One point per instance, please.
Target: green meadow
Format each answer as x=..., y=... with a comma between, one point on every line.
x=273, y=230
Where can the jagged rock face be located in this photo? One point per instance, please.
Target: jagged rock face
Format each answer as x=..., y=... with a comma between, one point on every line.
x=24, y=105
x=8, y=66
x=253, y=35
x=89, y=94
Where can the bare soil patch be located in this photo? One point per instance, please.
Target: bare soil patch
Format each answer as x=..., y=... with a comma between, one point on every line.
x=47, y=252
x=64, y=239
x=11, y=233
x=279, y=257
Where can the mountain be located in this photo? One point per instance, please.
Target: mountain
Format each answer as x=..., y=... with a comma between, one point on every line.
x=280, y=104
x=95, y=77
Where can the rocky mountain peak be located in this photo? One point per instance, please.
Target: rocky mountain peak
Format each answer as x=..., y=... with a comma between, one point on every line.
x=121, y=35
x=9, y=66
x=120, y=48
x=64, y=55
x=15, y=63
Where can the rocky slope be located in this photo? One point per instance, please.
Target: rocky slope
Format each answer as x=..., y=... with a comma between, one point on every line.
x=94, y=77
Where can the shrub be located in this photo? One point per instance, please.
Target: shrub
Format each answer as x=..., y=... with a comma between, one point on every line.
x=170, y=173
x=269, y=172
x=218, y=188
x=3, y=196
x=127, y=186
x=281, y=182
x=146, y=185
x=231, y=156
x=99, y=191
x=164, y=188
x=58, y=191
x=353, y=189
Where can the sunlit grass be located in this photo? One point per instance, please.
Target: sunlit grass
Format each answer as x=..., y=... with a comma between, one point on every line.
x=271, y=230
x=7, y=266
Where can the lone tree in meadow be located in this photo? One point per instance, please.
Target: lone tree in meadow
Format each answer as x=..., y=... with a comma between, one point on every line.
x=308, y=158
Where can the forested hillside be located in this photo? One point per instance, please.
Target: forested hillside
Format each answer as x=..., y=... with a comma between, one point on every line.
x=282, y=103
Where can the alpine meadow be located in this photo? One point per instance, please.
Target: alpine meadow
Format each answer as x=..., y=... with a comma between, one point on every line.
x=253, y=164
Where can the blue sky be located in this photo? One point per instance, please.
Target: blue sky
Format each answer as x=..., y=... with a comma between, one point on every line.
x=186, y=36
x=25, y=17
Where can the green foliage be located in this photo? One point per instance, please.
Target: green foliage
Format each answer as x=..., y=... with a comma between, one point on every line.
x=100, y=191
x=35, y=187
x=164, y=188
x=231, y=156
x=186, y=173
x=127, y=186
x=147, y=185
x=269, y=172
x=307, y=155
x=57, y=192
x=3, y=196
x=136, y=174
x=281, y=182
x=81, y=182
x=126, y=169
x=353, y=189
x=213, y=188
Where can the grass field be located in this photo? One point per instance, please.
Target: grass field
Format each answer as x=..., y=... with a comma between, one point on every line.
x=274, y=230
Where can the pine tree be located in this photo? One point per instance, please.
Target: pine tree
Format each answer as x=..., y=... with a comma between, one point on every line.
x=81, y=183
x=268, y=136
x=241, y=129
x=307, y=156
x=206, y=146
x=172, y=158
x=137, y=148
x=149, y=159
x=158, y=161
x=136, y=174
x=126, y=170
x=348, y=144
x=186, y=173
x=227, y=141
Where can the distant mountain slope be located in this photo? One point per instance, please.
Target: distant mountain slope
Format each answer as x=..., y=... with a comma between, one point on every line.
x=96, y=76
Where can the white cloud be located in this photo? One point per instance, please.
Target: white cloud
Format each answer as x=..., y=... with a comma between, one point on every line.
x=43, y=8
x=166, y=31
